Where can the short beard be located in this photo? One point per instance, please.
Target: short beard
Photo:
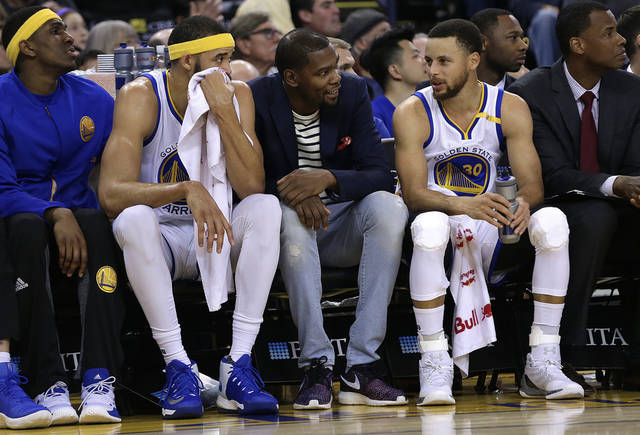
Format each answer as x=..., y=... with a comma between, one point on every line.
x=454, y=90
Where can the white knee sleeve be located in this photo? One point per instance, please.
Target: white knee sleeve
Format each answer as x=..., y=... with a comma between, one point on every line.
x=134, y=223
x=430, y=231
x=548, y=229
x=427, y=278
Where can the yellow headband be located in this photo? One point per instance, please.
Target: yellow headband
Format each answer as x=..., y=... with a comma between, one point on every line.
x=201, y=45
x=26, y=30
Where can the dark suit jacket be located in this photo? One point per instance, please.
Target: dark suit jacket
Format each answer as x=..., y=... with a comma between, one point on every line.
x=556, y=127
x=350, y=146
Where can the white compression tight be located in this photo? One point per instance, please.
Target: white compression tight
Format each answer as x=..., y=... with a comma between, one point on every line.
x=256, y=229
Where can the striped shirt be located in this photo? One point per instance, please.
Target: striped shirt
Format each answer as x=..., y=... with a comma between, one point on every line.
x=307, y=129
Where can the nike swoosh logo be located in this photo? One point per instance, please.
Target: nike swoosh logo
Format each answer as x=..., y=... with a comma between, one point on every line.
x=174, y=401
x=355, y=385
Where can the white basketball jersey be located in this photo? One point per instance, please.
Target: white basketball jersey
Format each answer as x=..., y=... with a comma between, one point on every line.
x=160, y=161
x=464, y=161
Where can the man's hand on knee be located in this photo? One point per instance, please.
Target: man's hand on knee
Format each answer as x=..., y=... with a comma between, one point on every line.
x=313, y=213
x=205, y=211
x=72, y=246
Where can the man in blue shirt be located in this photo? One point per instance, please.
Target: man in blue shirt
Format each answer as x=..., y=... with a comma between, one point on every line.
x=397, y=65
x=53, y=128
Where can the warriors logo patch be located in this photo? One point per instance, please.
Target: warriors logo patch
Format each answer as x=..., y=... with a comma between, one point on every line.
x=465, y=174
x=87, y=128
x=173, y=171
x=107, y=279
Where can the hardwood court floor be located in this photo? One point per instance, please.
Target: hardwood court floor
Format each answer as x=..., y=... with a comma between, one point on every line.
x=608, y=412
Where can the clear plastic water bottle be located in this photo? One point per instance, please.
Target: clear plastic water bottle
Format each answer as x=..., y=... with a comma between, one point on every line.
x=123, y=63
x=507, y=187
x=145, y=59
x=167, y=59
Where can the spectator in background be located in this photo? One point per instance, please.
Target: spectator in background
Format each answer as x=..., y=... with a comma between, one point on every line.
x=76, y=27
x=420, y=41
x=256, y=40
x=278, y=10
x=88, y=60
x=5, y=64
x=243, y=71
x=321, y=16
x=504, y=46
x=161, y=37
x=540, y=20
x=107, y=36
x=360, y=29
x=345, y=58
x=629, y=28
x=397, y=65
x=208, y=8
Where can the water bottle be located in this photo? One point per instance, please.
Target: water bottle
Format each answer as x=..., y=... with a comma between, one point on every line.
x=145, y=59
x=167, y=59
x=123, y=63
x=507, y=187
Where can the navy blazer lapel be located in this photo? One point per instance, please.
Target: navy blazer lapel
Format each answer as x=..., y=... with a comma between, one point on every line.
x=567, y=105
x=328, y=130
x=282, y=117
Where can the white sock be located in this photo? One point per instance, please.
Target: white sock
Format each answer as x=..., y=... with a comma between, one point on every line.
x=429, y=320
x=5, y=357
x=547, y=317
x=244, y=333
x=170, y=343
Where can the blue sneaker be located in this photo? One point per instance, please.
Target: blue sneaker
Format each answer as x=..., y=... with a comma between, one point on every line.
x=242, y=389
x=56, y=400
x=181, y=392
x=98, y=400
x=17, y=410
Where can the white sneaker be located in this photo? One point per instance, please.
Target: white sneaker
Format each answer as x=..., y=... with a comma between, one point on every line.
x=544, y=378
x=436, y=379
x=98, y=400
x=56, y=400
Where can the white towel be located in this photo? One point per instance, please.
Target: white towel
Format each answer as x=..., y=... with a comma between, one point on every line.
x=473, y=326
x=202, y=154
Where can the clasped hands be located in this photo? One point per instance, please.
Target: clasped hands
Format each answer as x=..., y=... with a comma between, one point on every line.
x=300, y=190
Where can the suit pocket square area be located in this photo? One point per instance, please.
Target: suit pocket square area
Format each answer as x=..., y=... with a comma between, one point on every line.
x=344, y=142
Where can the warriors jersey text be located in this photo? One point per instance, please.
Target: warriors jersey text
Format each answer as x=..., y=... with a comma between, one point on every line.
x=464, y=161
x=160, y=161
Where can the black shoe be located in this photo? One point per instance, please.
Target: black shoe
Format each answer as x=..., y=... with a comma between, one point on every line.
x=570, y=372
x=362, y=385
x=316, y=390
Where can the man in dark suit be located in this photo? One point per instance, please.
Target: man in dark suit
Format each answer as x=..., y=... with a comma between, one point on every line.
x=324, y=159
x=504, y=47
x=586, y=119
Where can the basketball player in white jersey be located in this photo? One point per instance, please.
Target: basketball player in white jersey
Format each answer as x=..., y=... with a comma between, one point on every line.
x=448, y=140
x=144, y=185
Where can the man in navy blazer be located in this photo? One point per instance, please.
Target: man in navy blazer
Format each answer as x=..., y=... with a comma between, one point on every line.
x=324, y=159
x=557, y=96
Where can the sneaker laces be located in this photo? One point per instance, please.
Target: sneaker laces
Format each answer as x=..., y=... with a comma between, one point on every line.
x=547, y=367
x=316, y=374
x=10, y=387
x=52, y=397
x=249, y=374
x=435, y=373
x=103, y=388
x=181, y=383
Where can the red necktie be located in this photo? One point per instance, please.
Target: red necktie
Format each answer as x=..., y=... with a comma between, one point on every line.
x=588, y=137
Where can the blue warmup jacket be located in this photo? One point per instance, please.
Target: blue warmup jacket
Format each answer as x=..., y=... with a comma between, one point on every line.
x=49, y=144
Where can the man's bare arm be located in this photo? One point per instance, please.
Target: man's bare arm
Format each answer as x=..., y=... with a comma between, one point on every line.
x=517, y=128
x=134, y=120
x=412, y=129
x=245, y=167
